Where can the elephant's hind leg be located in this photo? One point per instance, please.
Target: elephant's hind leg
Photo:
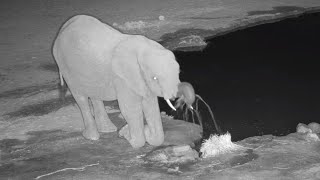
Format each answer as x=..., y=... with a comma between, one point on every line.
x=90, y=128
x=102, y=119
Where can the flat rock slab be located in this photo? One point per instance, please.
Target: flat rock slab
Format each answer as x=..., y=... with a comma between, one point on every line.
x=268, y=157
x=60, y=154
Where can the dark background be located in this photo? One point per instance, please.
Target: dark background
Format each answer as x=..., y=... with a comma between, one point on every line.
x=261, y=80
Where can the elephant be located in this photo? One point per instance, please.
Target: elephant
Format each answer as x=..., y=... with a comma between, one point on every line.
x=100, y=63
x=186, y=95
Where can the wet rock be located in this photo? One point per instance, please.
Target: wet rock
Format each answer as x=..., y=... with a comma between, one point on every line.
x=310, y=128
x=312, y=137
x=302, y=128
x=178, y=132
x=315, y=127
x=309, y=132
x=173, y=154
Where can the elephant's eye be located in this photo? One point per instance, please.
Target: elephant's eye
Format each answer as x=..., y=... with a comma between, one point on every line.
x=154, y=78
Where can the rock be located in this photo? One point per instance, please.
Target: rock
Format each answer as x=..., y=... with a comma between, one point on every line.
x=161, y=18
x=172, y=154
x=310, y=132
x=302, y=128
x=312, y=137
x=178, y=132
x=315, y=127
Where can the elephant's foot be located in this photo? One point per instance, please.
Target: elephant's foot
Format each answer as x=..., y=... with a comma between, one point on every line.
x=91, y=134
x=135, y=142
x=107, y=127
x=152, y=138
x=103, y=121
x=124, y=132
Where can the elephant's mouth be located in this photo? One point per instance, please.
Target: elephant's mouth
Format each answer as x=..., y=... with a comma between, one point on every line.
x=185, y=94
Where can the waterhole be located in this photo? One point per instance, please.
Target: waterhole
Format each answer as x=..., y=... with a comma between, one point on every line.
x=261, y=80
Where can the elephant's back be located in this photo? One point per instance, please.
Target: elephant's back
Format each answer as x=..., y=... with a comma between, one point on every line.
x=83, y=50
x=88, y=37
x=88, y=25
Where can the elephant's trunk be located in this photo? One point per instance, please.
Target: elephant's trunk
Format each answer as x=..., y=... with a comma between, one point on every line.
x=185, y=94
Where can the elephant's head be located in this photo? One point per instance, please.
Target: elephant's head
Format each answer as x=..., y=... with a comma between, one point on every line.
x=148, y=68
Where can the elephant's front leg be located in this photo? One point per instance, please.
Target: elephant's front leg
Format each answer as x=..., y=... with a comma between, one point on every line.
x=102, y=119
x=131, y=109
x=153, y=129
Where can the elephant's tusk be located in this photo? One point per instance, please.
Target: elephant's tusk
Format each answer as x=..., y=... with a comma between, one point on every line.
x=169, y=103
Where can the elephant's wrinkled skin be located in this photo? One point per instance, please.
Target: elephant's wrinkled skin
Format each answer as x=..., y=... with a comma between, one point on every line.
x=101, y=63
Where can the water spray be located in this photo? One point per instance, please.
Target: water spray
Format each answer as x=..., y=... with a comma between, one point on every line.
x=210, y=111
x=186, y=108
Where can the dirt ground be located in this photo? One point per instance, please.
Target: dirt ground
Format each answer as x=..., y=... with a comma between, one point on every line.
x=40, y=134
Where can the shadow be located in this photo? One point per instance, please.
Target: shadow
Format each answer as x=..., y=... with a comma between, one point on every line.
x=14, y=145
x=50, y=135
x=50, y=67
x=6, y=145
x=42, y=108
x=2, y=77
x=36, y=154
x=173, y=40
x=278, y=9
x=28, y=91
x=242, y=159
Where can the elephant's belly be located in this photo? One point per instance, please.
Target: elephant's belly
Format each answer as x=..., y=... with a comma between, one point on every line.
x=93, y=88
x=98, y=92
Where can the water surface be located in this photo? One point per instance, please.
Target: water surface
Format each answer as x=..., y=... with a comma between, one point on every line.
x=261, y=80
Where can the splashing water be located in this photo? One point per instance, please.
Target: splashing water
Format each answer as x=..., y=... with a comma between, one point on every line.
x=195, y=113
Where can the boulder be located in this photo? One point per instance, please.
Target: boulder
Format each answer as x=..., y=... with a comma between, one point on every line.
x=178, y=132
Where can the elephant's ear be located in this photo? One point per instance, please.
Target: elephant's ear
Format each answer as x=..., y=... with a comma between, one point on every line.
x=125, y=65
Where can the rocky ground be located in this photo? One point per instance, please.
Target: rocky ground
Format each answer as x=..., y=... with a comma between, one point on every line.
x=40, y=135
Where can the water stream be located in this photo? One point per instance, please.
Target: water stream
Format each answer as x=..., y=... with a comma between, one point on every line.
x=194, y=115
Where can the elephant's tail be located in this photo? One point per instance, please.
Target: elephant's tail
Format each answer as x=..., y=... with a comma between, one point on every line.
x=62, y=88
x=61, y=79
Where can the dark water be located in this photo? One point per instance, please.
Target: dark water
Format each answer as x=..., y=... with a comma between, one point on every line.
x=261, y=80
